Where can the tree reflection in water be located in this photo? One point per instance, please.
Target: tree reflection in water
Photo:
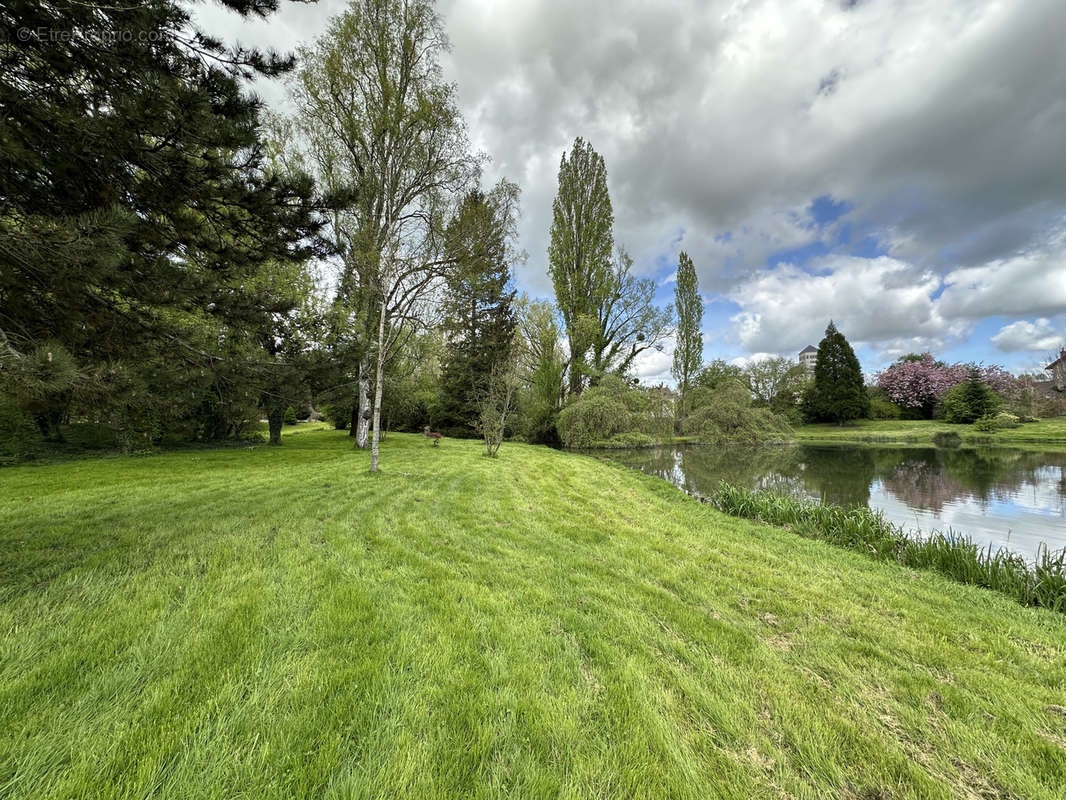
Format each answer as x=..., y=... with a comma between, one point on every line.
x=1003, y=483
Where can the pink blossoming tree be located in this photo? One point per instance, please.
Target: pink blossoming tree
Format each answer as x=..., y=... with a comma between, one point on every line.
x=918, y=384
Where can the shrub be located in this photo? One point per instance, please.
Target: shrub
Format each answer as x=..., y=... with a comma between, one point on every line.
x=20, y=438
x=725, y=414
x=986, y=424
x=611, y=407
x=884, y=409
x=338, y=414
x=290, y=416
x=968, y=401
x=1005, y=419
x=630, y=439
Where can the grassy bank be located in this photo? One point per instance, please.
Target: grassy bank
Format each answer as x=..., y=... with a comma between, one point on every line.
x=278, y=623
x=1041, y=583
x=1049, y=432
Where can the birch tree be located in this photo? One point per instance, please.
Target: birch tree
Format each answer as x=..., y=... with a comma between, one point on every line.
x=379, y=118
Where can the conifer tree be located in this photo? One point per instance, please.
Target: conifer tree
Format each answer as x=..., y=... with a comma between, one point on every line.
x=479, y=313
x=135, y=202
x=838, y=393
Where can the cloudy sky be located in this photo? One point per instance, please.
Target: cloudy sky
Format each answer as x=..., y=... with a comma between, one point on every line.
x=899, y=167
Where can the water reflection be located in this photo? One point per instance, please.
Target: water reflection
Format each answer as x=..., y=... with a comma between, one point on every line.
x=1011, y=498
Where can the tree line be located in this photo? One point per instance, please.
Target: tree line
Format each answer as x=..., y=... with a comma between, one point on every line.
x=178, y=263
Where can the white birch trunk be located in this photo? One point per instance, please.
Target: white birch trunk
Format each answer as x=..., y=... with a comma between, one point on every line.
x=362, y=433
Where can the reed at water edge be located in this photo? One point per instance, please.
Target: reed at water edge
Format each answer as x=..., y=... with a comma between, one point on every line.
x=1041, y=582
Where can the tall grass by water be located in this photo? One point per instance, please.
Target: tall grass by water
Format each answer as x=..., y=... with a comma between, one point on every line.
x=1038, y=583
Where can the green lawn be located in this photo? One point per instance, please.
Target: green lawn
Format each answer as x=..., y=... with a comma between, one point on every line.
x=1046, y=432
x=277, y=623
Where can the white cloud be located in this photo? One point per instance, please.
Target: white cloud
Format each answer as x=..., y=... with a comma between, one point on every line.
x=653, y=366
x=941, y=124
x=881, y=301
x=1030, y=282
x=1037, y=336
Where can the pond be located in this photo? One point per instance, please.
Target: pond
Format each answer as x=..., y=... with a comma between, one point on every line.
x=1003, y=497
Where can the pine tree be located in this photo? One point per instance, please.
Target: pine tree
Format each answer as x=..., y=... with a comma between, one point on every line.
x=838, y=393
x=480, y=318
x=688, y=352
x=135, y=202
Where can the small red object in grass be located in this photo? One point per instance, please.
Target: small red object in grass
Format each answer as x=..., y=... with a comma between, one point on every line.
x=432, y=435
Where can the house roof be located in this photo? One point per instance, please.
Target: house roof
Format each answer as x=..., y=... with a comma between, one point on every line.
x=809, y=349
x=1061, y=359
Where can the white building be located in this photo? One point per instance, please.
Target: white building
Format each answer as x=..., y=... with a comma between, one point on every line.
x=808, y=356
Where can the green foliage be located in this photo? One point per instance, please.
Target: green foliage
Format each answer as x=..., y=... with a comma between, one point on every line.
x=290, y=416
x=608, y=408
x=838, y=393
x=630, y=439
x=338, y=414
x=718, y=373
x=881, y=408
x=688, y=350
x=968, y=401
x=412, y=386
x=20, y=438
x=777, y=383
x=725, y=413
x=542, y=368
x=479, y=313
x=1040, y=584
x=137, y=210
x=579, y=250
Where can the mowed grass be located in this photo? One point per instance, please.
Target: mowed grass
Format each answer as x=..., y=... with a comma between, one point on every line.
x=1050, y=432
x=278, y=623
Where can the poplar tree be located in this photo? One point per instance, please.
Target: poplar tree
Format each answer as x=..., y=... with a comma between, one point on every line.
x=688, y=352
x=579, y=252
x=608, y=313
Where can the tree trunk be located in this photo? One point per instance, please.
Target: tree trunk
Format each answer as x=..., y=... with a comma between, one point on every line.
x=353, y=423
x=362, y=408
x=576, y=368
x=275, y=417
x=377, y=390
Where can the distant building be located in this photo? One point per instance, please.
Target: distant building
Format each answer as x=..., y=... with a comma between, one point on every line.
x=808, y=356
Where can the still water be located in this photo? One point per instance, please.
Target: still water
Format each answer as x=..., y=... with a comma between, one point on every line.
x=1007, y=498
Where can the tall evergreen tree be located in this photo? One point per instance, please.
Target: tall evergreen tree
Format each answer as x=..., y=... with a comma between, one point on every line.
x=688, y=352
x=838, y=393
x=134, y=198
x=479, y=313
x=579, y=252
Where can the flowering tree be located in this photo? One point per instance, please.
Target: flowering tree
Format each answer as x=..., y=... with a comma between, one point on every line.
x=919, y=383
